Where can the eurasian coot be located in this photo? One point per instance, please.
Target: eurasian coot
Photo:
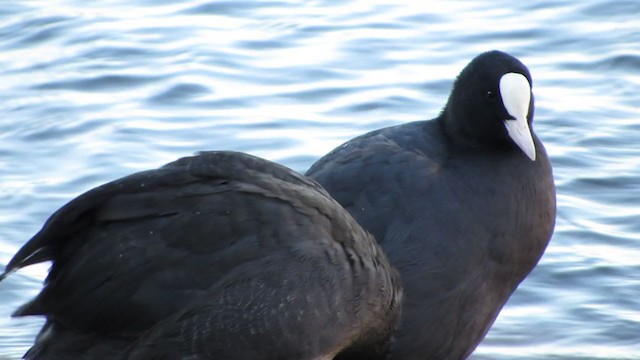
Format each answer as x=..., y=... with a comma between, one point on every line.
x=463, y=205
x=216, y=256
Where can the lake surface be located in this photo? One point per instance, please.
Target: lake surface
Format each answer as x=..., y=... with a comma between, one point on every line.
x=92, y=91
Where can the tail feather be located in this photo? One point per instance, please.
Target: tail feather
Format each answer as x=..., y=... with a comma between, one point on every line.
x=32, y=252
x=29, y=254
x=32, y=307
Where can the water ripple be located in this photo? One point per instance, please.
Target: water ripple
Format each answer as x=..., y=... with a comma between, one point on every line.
x=94, y=93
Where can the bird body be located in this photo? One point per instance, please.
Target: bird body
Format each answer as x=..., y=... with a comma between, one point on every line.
x=220, y=255
x=462, y=209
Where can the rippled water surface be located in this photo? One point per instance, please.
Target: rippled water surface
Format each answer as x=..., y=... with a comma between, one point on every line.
x=91, y=91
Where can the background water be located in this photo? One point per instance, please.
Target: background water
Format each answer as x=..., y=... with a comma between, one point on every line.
x=93, y=91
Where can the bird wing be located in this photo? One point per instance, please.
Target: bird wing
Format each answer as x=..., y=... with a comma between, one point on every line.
x=168, y=234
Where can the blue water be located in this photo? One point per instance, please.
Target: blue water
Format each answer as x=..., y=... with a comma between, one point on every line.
x=91, y=91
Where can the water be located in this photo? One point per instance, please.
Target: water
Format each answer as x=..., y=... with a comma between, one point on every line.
x=90, y=93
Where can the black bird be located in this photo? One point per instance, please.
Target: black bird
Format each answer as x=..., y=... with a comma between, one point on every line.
x=216, y=256
x=463, y=205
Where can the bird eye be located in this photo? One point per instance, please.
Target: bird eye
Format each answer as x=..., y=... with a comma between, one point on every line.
x=491, y=95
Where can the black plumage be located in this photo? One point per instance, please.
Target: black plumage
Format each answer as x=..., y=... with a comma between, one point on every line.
x=216, y=256
x=463, y=205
